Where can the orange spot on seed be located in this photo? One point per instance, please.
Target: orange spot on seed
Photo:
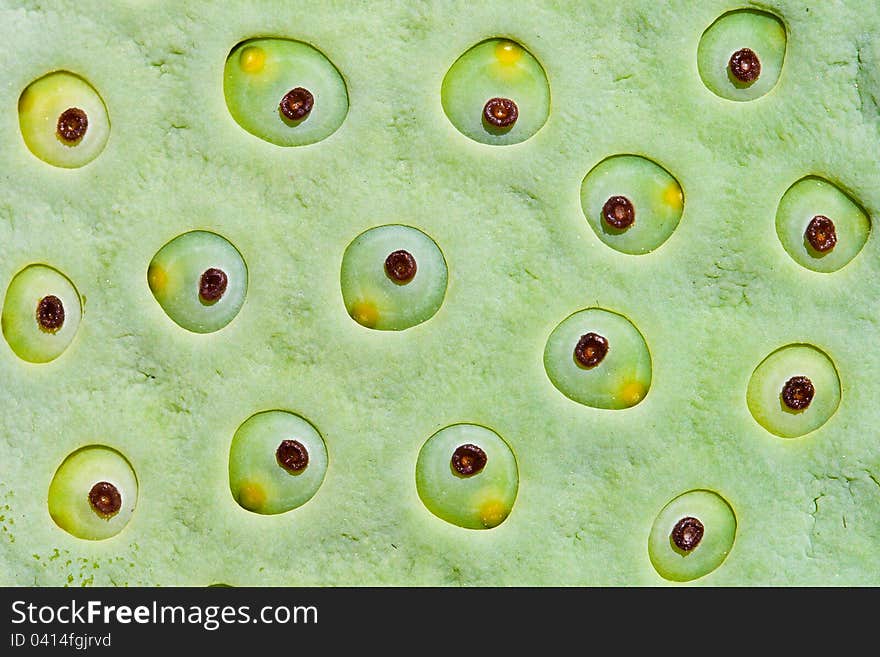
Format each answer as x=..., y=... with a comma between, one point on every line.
x=251, y=496
x=365, y=313
x=492, y=513
x=156, y=278
x=632, y=393
x=252, y=59
x=672, y=196
x=507, y=52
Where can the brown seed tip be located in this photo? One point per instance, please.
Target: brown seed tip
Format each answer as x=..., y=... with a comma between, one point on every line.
x=292, y=455
x=50, y=314
x=212, y=284
x=821, y=233
x=591, y=350
x=797, y=393
x=400, y=266
x=105, y=499
x=500, y=112
x=619, y=212
x=297, y=103
x=468, y=460
x=744, y=65
x=687, y=534
x=72, y=125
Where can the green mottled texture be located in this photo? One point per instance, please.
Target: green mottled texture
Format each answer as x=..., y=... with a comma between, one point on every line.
x=808, y=198
x=481, y=500
x=764, y=393
x=620, y=380
x=718, y=297
x=719, y=533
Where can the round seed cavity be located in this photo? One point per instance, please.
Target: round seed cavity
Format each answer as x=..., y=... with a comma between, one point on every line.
x=794, y=390
x=93, y=493
x=297, y=103
x=744, y=65
x=687, y=534
x=105, y=499
x=624, y=378
x=477, y=487
x=292, y=455
x=212, y=284
x=821, y=233
x=692, y=535
x=50, y=314
x=619, y=212
x=500, y=112
x=468, y=460
x=72, y=125
x=591, y=349
x=797, y=393
x=479, y=89
x=400, y=266
x=277, y=462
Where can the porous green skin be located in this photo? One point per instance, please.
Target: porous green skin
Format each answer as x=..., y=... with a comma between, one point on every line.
x=719, y=296
x=253, y=463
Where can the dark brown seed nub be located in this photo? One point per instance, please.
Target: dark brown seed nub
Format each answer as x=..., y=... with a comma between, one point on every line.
x=212, y=284
x=297, y=103
x=591, y=350
x=821, y=233
x=797, y=393
x=687, y=534
x=745, y=65
x=72, y=125
x=468, y=460
x=50, y=314
x=500, y=112
x=292, y=455
x=400, y=266
x=619, y=212
x=105, y=499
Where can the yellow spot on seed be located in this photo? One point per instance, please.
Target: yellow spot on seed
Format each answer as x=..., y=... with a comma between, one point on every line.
x=492, y=513
x=507, y=52
x=365, y=313
x=672, y=196
x=251, y=496
x=252, y=59
x=157, y=278
x=632, y=393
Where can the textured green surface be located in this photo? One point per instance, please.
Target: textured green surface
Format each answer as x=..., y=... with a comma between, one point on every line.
x=717, y=297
